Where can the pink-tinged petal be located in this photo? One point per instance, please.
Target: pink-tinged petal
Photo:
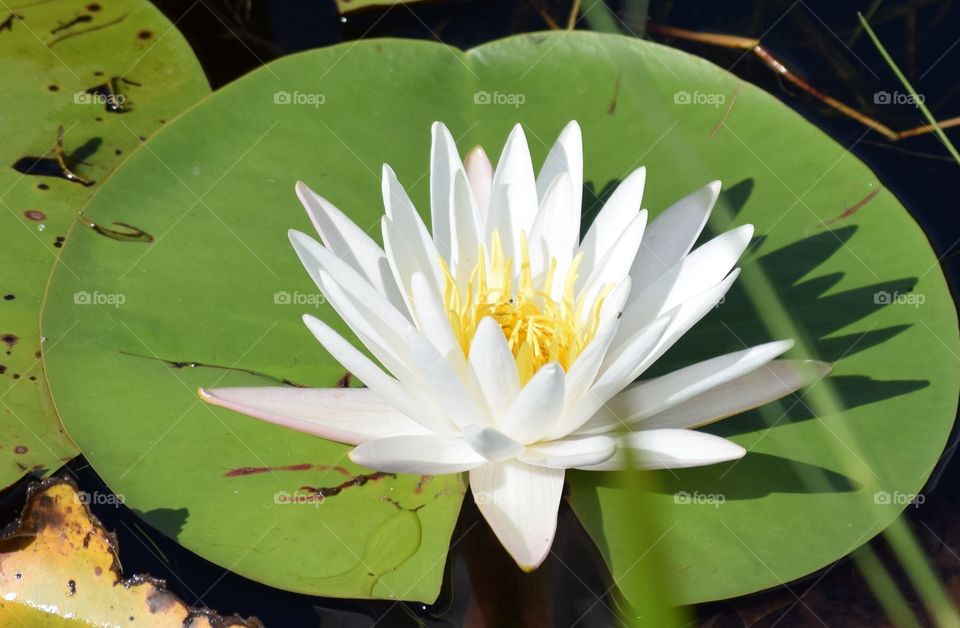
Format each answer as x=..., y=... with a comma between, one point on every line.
x=350, y=243
x=520, y=503
x=345, y=415
x=480, y=174
x=668, y=449
x=429, y=455
x=767, y=383
x=570, y=452
x=647, y=398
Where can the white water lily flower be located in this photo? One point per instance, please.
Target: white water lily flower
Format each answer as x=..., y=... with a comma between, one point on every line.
x=509, y=346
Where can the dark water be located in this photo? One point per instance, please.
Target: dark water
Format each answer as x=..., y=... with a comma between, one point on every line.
x=483, y=587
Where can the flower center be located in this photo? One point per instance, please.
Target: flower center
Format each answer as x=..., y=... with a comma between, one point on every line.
x=539, y=329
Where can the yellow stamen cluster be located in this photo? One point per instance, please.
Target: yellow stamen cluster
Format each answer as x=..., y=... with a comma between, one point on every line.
x=539, y=330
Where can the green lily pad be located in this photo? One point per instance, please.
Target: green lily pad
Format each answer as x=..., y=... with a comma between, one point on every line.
x=216, y=299
x=107, y=75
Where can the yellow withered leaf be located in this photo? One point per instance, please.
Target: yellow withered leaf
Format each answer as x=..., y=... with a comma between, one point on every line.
x=59, y=568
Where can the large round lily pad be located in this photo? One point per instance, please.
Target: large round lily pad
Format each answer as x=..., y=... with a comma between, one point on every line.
x=107, y=75
x=838, y=263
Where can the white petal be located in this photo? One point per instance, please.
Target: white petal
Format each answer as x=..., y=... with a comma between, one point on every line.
x=570, y=452
x=647, y=398
x=408, y=226
x=432, y=319
x=444, y=163
x=565, y=158
x=613, y=378
x=672, y=234
x=767, y=383
x=345, y=415
x=583, y=371
x=696, y=272
x=492, y=444
x=370, y=374
x=613, y=266
x=454, y=396
x=495, y=368
x=614, y=216
x=468, y=230
x=513, y=196
x=669, y=449
x=520, y=502
x=349, y=242
x=555, y=231
x=537, y=407
x=480, y=174
x=430, y=455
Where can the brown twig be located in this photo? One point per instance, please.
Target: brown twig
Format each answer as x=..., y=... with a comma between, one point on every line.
x=756, y=48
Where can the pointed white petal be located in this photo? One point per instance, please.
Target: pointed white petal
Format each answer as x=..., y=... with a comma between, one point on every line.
x=444, y=163
x=555, y=230
x=386, y=387
x=537, y=407
x=565, y=157
x=432, y=319
x=495, y=368
x=480, y=174
x=456, y=398
x=409, y=227
x=468, y=231
x=767, y=383
x=583, y=371
x=570, y=452
x=349, y=242
x=696, y=272
x=513, y=196
x=672, y=234
x=430, y=455
x=647, y=398
x=345, y=415
x=669, y=449
x=613, y=266
x=520, y=502
x=492, y=444
x=614, y=216
x=613, y=378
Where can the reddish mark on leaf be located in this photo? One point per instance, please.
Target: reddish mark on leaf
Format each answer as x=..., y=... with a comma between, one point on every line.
x=35, y=214
x=360, y=480
x=853, y=209
x=344, y=382
x=20, y=449
x=306, y=466
x=421, y=483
